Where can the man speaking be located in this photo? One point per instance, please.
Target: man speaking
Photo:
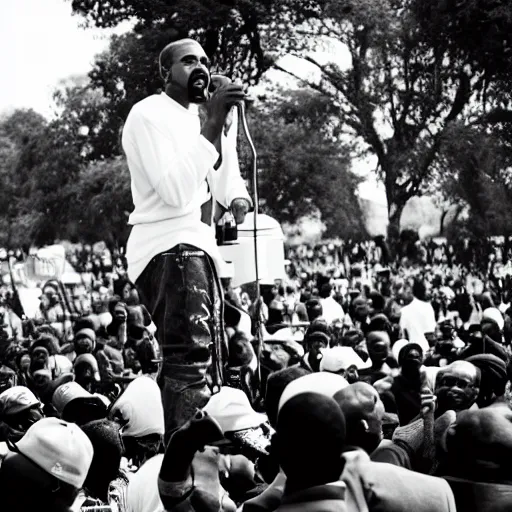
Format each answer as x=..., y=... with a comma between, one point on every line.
x=180, y=163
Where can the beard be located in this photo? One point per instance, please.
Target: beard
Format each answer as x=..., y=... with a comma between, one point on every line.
x=198, y=93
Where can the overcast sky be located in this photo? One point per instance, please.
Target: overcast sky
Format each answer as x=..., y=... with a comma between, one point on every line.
x=41, y=43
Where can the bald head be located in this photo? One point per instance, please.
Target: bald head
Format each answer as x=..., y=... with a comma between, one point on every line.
x=363, y=410
x=463, y=369
x=174, y=51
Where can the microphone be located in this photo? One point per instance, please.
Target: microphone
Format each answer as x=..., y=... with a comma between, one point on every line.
x=217, y=81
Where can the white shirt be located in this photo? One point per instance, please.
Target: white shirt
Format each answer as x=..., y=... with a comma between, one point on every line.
x=142, y=493
x=170, y=164
x=331, y=310
x=418, y=318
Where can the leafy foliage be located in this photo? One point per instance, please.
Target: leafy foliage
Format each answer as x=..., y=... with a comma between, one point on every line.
x=304, y=170
x=480, y=179
x=102, y=203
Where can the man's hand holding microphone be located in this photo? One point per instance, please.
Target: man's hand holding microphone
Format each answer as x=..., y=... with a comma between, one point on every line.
x=224, y=96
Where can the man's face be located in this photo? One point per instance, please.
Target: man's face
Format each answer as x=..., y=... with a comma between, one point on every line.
x=40, y=357
x=456, y=389
x=83, y=345
x=378, y=348
x=190, y=72
x=413, y=360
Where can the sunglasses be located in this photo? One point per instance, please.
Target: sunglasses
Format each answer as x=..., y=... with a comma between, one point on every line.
x=452, y=382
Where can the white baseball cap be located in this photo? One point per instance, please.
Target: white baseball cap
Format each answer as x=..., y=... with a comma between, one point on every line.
x=17, y=399
x=231, y=409
x=341, y=358
x=324, y=383
x=61, y=449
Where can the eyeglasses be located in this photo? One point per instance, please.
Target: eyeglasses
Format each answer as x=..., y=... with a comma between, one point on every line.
x=454, y=382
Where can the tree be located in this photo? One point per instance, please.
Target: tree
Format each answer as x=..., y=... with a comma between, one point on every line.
x=304, y=169
x=402, y=90
x=480, y=180
x=102, y=203
x=19, y=133
x=229, y=30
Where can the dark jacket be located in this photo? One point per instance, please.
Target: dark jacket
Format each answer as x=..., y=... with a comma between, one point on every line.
x=480, y=496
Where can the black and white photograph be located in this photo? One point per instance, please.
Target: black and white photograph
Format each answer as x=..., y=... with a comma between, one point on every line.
x=256, y=256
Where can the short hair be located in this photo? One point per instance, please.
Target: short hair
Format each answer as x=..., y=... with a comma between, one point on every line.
x=325, y=290
x=419, y=290
x=310, y=438
x=276, y=384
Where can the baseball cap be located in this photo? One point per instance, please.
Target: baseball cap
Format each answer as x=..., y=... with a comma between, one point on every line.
x=61, y=449
x=66, y=393
x=231, y=409
x=341, y=358
x=17, y=399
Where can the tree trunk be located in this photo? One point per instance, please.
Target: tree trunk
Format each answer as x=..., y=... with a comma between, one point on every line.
x=394, y=217
x=442, y=221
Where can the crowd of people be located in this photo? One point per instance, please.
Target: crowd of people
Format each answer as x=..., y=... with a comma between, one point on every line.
x=356, y=383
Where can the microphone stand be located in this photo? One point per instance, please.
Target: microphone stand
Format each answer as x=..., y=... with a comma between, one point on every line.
x=254, y=169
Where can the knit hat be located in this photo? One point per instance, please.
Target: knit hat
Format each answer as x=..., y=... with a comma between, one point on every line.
x=108, y=451
x=232, y=410
x=91, y=360
x=323, y=383
x=140, y=409
x=341, y=358
x=17, y=399
x=47, y=341
x=485, y=345
x=318, y=331
x=59, y=448
x=493, y=369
